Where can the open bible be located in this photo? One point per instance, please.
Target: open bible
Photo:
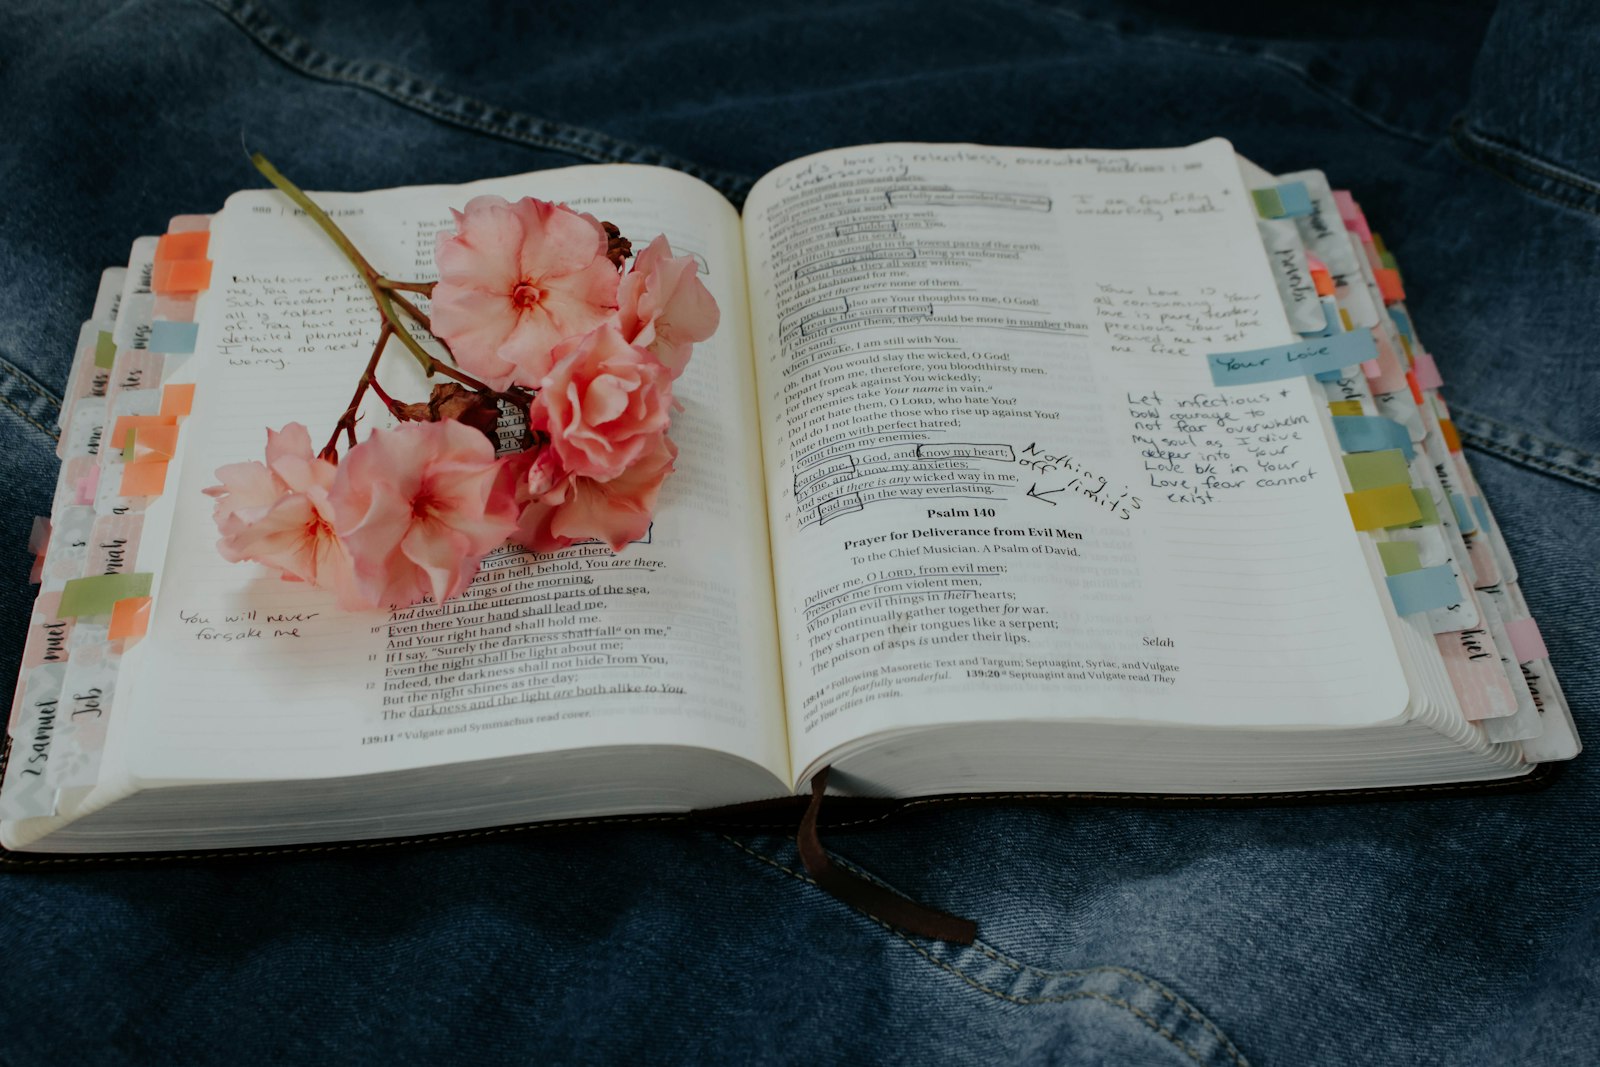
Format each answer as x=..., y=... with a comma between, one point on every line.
x=1007, y=469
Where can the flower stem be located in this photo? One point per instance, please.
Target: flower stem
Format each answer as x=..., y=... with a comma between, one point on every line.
x=368, y=274
x=347, y=421
x=425, y=288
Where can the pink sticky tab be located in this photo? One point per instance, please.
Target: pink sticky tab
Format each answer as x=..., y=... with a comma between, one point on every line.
x=1427, y=371
x=1526, y=640
x=88, y=485
x=1313, y=263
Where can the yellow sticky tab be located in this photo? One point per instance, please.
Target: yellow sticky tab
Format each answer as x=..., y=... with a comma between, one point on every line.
x=1345, y=407
x=1392, y=505
x=144, y=479
x=130, y=617
x=177, y=400
x=1344, y=317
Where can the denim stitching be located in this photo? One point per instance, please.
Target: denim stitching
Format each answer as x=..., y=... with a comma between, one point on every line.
x=1520, y=447
x=8, y=402
x=1040, y=972
x=406, y=89
x=1501, y=146
x=1283, y=65
x=1472, y=145
x=1144, y=1017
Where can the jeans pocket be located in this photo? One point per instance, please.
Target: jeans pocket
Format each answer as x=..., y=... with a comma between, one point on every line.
x=1103, y=1014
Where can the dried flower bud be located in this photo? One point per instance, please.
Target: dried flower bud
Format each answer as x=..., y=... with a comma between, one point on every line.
x=451, y=400
x=618, y=247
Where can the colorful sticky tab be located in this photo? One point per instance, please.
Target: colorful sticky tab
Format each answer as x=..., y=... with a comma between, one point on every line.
x=1291, y=360
x=144, y=479
x=181, y=276
x=1268, y=204
x=1389, y=285
x=1481, y=510
x=173, y=337
x=1430, y=514
x=152, y=443
x=1452, y=439
x=1294, y=198
x=177, y=400
x=1424, y=589
x=105, y=350
x=130, y=617
x=1458, y=504
x=1527, y=643
x=1427, y=371
x=1372, y=433
x=1345, y=407
x=96, y=595
x=1399, y=557
x=126, y=424
x=190, y=245
x=1389, y=505
x=1323, y=282
x=1374, y=470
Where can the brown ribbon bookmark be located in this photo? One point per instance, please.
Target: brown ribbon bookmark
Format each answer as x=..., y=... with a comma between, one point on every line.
x=874, y=899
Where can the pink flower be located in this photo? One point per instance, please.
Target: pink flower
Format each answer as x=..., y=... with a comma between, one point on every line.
x=559, y=508
x=605, y=403
x=515, y=280
x=663, y=307
x=418, y=507
x=278, y=513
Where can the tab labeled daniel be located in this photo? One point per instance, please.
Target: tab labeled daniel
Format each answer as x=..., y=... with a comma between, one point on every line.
x=1292, y=360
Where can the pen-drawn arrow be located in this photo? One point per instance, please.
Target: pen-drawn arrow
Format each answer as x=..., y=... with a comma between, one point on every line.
x=1033, y=491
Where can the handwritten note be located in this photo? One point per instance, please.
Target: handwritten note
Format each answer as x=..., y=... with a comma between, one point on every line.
x=1290, y=361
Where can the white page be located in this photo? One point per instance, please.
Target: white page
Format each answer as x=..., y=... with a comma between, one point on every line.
x=246, y=676
x=987, y=410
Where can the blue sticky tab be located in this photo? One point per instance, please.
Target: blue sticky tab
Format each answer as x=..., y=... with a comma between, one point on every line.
x=1480, y=509
x=1330, y=320
x=1292, y=360
x=1372, y=433
x=1402, y=322
x=1423, y=590
x=174, y=338
x=1463, y=513
x=1295, y=197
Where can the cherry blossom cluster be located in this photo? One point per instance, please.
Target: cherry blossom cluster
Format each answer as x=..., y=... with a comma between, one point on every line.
x=544, y=326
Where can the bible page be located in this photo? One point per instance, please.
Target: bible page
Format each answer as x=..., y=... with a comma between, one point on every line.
x=671, y=642
x=1002, y=484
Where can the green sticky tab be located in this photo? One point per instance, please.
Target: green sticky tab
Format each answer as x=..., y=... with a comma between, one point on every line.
x=1269, y=205
x=1399, y=557
x=96, y=595
x=127, y=449
x=105, y=351
x=1373, y=470
x=1430, y=514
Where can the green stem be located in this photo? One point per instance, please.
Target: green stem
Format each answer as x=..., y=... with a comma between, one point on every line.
x=368, y=274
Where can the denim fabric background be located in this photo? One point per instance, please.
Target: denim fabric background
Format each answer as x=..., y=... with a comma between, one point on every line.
x=1446, y=931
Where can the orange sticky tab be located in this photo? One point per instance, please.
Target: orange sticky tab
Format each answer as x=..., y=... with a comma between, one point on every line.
x=1452, y=439
x=1389, y=285
x=181, y=276
x=1416, y=390
x=1323, y=281
x=155, y=442
x=190, y=245
x=127, y=423
x=177, y=400
x=130, y=617
x=144, y=479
